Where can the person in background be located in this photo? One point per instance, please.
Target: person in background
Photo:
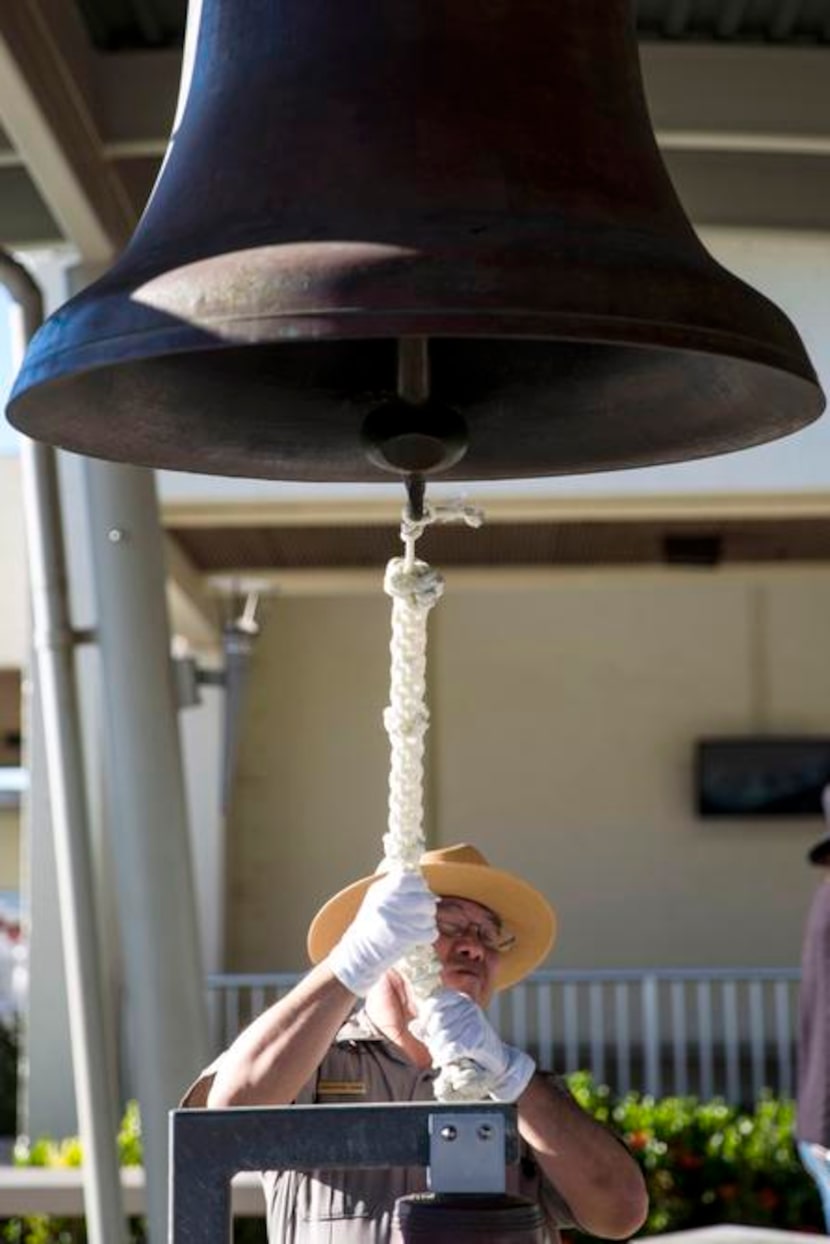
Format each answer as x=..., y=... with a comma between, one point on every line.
x=489, y=929
x=813, y=1113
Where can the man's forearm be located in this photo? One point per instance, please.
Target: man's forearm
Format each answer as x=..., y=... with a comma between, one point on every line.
x=590, y=1168
x=273, y=1057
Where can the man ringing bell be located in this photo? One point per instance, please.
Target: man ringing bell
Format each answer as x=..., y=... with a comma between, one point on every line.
x=352, y=1030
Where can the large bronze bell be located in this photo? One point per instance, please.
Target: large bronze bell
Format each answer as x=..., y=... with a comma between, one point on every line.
x=389, y=232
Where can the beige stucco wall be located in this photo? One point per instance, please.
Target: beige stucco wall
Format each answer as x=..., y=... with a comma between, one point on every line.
x=13, y=615
x=9, y=849
x=310, y=798
x=564, y=714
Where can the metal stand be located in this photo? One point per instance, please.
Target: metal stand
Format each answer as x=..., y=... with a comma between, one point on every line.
x=465, y=1148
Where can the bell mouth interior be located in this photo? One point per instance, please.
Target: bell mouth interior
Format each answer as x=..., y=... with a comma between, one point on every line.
x=296, y=410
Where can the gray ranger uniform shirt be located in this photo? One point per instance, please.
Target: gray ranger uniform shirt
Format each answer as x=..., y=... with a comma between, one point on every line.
x=356, y=1206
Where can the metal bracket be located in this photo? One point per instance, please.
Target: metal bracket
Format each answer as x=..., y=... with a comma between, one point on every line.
x=467, y=1153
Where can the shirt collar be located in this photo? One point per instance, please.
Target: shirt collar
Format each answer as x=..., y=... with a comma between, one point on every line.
x=359, y=1027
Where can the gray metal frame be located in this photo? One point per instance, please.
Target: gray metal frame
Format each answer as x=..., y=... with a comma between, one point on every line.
x=209, y=1147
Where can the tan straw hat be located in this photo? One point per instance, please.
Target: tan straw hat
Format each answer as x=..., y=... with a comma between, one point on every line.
x=459, y=871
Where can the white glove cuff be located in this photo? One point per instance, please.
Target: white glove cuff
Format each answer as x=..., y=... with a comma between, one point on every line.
x=354, y=970
x=515, y=1079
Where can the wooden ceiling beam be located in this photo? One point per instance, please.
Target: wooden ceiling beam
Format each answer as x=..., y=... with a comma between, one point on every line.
x=194, y=612
x=45, y=109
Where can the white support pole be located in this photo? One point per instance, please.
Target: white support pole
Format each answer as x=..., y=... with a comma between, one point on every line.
x=53, y=648
x=46, y=1097
x=166, y=1013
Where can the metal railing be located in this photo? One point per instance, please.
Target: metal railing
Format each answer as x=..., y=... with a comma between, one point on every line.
x=712, y=1032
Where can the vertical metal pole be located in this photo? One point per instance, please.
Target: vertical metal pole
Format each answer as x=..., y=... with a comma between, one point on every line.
x=783, y=1040
x=596, y=1003
x=570, y=1003
x=705, y=1041
x=680, y=1039
x=757, y=1037
x=237, y=641
x=729, y=993
x=651, y=1034
x=623, y=1037
x=167, y=1014
x=544, y=1021
x=46, y=1097
x=53, y=648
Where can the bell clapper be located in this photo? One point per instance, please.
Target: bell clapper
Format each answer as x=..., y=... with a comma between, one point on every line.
x=415, y=491
x=413, y=370
x=413, y=434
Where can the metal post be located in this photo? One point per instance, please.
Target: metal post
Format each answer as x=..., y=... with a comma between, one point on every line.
x=167, y=1013
x=53, y=650
x=238, y=639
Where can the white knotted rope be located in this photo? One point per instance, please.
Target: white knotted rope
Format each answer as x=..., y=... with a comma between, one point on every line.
x=415, y=587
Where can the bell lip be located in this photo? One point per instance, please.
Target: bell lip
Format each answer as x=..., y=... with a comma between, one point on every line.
x=469, y=469
x=44, y=364
x=52, y=390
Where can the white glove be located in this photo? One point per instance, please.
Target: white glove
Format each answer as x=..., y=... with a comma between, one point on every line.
x=397, y=913
x=454, y=1028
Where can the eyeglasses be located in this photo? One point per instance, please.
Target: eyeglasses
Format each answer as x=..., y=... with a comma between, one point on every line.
x=490, y=934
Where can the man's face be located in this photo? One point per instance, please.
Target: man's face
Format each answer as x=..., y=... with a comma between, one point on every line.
x=466, y=934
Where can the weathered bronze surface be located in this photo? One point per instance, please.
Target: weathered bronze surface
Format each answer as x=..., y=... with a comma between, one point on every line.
x=480, y=176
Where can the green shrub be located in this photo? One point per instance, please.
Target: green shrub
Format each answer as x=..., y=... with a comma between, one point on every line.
x=704, y=1163
x=707, y=1162
x=47, y=1229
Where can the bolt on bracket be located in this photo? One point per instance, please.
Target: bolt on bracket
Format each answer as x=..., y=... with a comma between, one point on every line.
x=467, y=1153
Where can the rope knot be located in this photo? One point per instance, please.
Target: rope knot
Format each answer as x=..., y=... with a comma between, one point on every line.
x=454, y=511
x=416, y=582
x=410, y=726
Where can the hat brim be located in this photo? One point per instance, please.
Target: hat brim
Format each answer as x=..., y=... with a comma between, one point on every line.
x=522, y=909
